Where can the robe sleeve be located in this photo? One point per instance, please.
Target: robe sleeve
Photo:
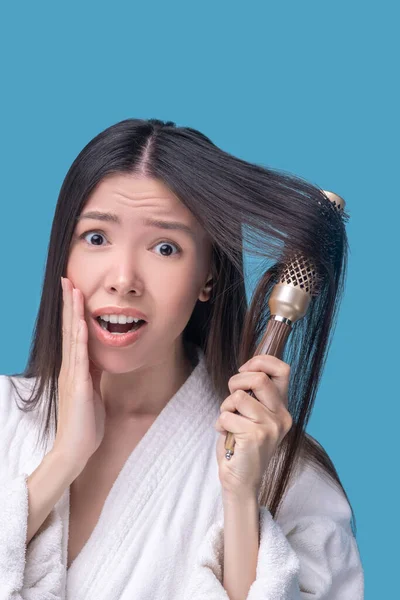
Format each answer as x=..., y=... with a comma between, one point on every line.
x=36, y=571
x=277, y=565
x=307, y=557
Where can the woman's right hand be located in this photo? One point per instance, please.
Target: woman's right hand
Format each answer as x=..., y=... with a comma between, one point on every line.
x=81, y=411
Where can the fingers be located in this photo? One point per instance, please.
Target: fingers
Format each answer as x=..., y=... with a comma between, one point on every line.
x=78, y=366
x=253, y=416
x=66, y=325
x=81, y=340
x=274, y=366
x=277, y=370
x=252, y=419
x=74, y=328
x=265, y=390
x=247, y=406
x=73, y=311
x=232, y=423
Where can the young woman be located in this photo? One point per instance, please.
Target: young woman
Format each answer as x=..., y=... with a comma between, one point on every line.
x=114, y=481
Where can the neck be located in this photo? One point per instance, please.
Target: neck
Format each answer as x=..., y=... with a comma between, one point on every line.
x=145, y=392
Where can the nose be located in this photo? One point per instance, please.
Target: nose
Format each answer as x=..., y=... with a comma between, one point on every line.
x=124, y=279
x=122, y=289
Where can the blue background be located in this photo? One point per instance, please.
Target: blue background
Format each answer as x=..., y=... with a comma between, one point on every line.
x=307, y=87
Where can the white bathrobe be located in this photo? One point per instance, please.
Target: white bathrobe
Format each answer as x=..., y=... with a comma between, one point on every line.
x=160, y=533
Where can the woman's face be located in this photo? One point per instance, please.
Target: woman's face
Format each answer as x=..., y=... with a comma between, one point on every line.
x=132, y=264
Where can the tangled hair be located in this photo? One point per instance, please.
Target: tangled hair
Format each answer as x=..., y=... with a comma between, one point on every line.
x=278, y=214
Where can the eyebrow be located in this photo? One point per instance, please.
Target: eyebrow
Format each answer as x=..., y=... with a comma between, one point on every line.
x=112, y=218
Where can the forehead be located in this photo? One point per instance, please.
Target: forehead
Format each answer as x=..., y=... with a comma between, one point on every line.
x=147, y=195
x=136, y=199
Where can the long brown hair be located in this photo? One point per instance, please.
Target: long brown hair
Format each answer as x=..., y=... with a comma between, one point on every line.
x=236, y=202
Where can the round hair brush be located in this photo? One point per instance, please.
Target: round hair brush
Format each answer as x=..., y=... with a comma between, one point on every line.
x=288, y=302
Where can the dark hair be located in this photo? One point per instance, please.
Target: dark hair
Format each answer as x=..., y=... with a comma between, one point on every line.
x=282, y=215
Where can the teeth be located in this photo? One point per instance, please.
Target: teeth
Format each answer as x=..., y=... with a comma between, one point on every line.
x=118, y=319
x=103, y=324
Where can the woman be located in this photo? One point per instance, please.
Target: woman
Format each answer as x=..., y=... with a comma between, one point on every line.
x=114, y=479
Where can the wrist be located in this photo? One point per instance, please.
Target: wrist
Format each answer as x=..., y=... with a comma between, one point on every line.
x=67, y=466
x=240, y=497
x=241, y=541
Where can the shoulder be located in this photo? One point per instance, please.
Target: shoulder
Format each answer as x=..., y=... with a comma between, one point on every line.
x=18, y=428
x=8, y=404
x=314, y=494
x=13, y=391
x=315, y=517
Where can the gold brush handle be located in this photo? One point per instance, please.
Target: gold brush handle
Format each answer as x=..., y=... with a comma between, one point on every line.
x=273, y=343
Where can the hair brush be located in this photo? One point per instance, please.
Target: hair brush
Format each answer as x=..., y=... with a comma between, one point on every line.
x=288, y=302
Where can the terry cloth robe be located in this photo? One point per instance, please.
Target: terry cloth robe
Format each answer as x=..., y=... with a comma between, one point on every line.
x=160, y=534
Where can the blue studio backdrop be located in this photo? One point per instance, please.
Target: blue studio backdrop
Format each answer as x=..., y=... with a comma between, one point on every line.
x=306, y=87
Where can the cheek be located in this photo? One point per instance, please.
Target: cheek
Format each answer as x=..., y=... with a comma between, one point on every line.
x=75, y=267
x=83, y=270
x=175, y=306
x=76, y=274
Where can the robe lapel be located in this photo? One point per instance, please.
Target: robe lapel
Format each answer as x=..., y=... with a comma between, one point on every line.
x=162, y=451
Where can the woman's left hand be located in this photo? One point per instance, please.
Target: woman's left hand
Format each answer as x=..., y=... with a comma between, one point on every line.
x=261, y=426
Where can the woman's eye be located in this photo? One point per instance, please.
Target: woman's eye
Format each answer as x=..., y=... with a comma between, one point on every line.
x=164, y=248
x=96, y=238
x=95, y=234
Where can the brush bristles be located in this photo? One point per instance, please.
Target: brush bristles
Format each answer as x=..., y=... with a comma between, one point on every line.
x=300, y=272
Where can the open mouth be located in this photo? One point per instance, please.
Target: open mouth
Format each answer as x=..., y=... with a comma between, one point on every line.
x=119, y=327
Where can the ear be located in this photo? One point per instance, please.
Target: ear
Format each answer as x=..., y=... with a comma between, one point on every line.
x=205, y=292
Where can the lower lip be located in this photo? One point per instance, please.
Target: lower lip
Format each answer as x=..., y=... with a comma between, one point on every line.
x=117, y=341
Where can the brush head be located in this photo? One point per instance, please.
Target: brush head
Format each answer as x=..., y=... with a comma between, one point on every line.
x=299, y=280
x=300, y=274
x=337, y=201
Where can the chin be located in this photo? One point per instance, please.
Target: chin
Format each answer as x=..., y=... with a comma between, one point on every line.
x=114, y=362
